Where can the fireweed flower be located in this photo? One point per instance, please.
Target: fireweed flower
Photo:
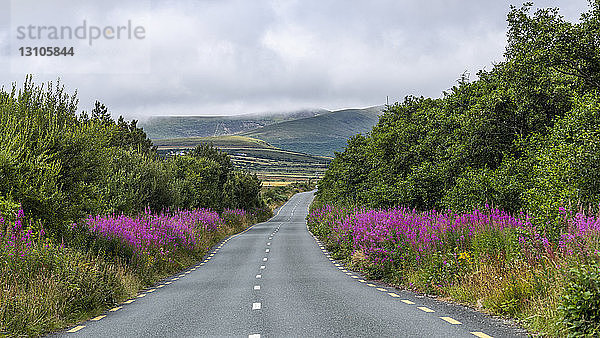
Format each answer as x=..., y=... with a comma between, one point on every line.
x=156, y=235
x=402, y=234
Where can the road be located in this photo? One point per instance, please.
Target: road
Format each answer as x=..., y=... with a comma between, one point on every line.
x=274, y=280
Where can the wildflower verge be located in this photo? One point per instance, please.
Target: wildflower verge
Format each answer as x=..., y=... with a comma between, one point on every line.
x=490, y=260
x=46, y=286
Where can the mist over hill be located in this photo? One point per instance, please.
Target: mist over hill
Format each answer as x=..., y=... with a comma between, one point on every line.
x=322, y=134
x=315, y=132
x=166, y=127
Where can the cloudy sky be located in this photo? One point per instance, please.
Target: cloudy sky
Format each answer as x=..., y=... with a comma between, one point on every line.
x=226, y=57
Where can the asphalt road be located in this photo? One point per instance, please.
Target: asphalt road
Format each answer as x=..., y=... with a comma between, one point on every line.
x=274, y=280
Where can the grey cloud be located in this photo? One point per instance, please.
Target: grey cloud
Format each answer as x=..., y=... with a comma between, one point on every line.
x=239, y=56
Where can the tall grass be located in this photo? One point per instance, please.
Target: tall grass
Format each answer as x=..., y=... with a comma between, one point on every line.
x=486, y=258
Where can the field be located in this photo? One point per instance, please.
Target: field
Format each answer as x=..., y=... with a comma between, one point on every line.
x=274, y=166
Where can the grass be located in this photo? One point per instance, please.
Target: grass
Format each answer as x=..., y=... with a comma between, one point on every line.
x=223, y=141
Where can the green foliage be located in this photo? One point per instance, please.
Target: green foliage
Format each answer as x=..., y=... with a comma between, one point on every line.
x=242, y=191
x=522, y=137
x=581, y=301
x=61, y=166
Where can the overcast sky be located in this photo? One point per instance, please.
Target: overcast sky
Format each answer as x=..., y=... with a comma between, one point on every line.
x=226, y=57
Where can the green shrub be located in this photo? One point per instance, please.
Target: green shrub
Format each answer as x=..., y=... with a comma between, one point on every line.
x=581, y=301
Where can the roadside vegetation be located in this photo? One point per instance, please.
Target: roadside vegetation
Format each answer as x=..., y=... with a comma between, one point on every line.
x=276, y=196
x=489, y=195
x=90, y=214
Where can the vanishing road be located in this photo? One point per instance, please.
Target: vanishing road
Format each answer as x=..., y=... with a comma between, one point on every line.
x=274, y=280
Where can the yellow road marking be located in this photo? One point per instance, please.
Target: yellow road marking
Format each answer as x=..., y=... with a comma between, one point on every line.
x=98, y=318
x=129, y=301
x=160, y=286
x=337, y=264
x=76, y=328
x=451, y=320
x=142, y=295
x=362, y=281
x=382, y=289
x=481, y=335
x=395, y=295
x=201, y=263
x=406, y=301
x=167, y=283
x=174, y=279
x=349, y=273
x=151, y=290
x=371, y=285
x=354, y=276
x=425, y=309
x=115, y=309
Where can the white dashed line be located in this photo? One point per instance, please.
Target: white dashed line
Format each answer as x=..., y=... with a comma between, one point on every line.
x=256, y=335
x=256, y=287
x=262, y=267
x=265, y=259
x=258, y=276
x=256, y=306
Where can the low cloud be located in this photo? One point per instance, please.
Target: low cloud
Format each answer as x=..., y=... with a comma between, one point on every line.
x=231, y=57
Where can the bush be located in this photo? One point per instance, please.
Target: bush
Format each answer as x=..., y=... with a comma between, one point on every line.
x=581, y=301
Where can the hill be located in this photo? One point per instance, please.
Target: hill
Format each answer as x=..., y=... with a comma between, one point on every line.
x=322, y=134
x=273, y=165
x=165, y=127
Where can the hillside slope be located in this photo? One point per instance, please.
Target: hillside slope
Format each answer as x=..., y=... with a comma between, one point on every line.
x=165, y=127
x=318, y=135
